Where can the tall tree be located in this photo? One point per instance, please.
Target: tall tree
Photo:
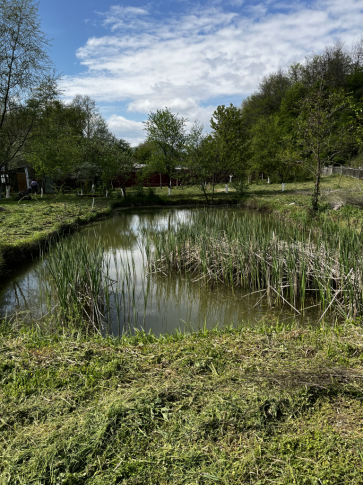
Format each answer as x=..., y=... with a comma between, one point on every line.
x=54, y=147
x=167, y=132
x=198, y=160
x=326, y=128
x=99, y=148
x=230, y=135
x=94, y=125
x=27, y=78
x=116, y=160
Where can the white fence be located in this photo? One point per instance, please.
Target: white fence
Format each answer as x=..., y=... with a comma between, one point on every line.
x=356, y=173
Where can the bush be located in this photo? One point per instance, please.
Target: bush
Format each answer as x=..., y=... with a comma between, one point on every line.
x=241, y=186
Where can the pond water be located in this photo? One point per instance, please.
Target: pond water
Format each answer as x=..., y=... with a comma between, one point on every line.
x=159, y=303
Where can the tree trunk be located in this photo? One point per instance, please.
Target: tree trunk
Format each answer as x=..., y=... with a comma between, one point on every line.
x=316, y=192
x=205, y=192
x=213, y=186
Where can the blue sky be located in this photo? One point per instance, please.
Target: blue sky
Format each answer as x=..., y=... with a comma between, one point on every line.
x=135, y=57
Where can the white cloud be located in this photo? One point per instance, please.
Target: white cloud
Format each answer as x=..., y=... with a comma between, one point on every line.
x=129, y=130
x=207, y=53
x=119, y=17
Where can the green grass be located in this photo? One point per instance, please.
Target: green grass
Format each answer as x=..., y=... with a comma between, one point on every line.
x=26, y=225
x=295, y=202
x=240, y=406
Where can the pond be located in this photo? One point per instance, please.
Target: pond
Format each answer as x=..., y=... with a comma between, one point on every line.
x=160, y=303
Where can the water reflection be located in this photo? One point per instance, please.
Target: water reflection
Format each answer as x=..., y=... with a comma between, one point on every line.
x=158, y=303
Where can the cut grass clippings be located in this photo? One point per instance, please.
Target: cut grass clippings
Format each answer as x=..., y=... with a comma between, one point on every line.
x=232, y=406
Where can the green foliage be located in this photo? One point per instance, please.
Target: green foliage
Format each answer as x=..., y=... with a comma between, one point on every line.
x=230, y=138
x=324, y=92
x=74, y=140
x=27, y=79
x=144, y=151
x=166, y=131
x=201, y=161
x=326, y=128
x=54, y=146
x=266, y=146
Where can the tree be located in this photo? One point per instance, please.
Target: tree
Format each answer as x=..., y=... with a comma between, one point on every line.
x=267, y=99
x=116, y=160
x=231, y=140
x=54, y=145
x=326, y=127
x=167, y=131
x=27, y=78
x=144, y=151
x=265, y=147
x=102, y=154
x=197, y=160
x=74, y=140
x=272, y=149
x=93, y=123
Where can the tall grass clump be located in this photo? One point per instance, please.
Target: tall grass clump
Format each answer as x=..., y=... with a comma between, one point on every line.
x=287, y=264
x=77, y=282
x=85, y=285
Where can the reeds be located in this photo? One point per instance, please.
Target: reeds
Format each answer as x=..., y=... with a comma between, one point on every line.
x=286, y=264
x=86, y=285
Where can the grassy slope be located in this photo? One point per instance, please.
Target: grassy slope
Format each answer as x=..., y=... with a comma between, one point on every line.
x=227, y=407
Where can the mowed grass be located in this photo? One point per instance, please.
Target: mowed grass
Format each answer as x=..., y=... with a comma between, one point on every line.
x=26, y=225
x=343, y=193
x=240, y=406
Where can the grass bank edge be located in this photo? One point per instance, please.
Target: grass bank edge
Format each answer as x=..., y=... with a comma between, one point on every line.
x=31, y=246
